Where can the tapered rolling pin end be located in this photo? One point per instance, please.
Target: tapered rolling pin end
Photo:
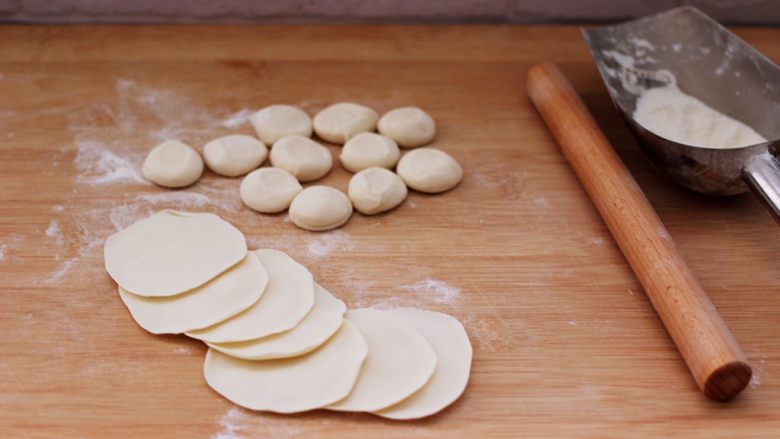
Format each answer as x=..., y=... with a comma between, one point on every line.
x=727, y=381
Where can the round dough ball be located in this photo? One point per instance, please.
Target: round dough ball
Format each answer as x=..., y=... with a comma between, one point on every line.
x=320, y=208
x=409, y=126
x=234, y=155
x=340, y=122
x=367, y=150
x=277, y=121
x=453, y=351
x=324, y=319
x=376, y=190
x=287, y=299
x=400, y=361
x=429, y=170
x=291, y=385
x=219, y=299
x=173, y=164
x=172, y=252
x=269, y=190
x=302, y=157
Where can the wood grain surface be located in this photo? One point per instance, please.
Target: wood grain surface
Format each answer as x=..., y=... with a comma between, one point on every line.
x=566, y=343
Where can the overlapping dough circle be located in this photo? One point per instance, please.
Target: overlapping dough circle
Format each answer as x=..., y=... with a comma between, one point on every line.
x=172, y=252
x=400, y=361
x=221, y=298
x=453, y=351
x=320, y=323
x=291, y=385
x=287, y=299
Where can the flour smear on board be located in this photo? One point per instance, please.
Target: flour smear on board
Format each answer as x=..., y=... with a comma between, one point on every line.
x=231, y=424
x=436, y=290
x=334, y=241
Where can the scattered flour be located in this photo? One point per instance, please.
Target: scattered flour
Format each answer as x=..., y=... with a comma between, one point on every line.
x=124, y=215
x=222, y=193
x=338, y=241
x=53, y=231
x=541, y=202
x=65, y=267
x=231, y=424
x=175, y=114
x=184, y=350
x=58, y=208
x=571, y=323
x=175, y=199
x=597, y=241
x=237, y=119
x=385, y=304
x=2, y=252
x=98, y=165
x=436, y=290
x=755, y=380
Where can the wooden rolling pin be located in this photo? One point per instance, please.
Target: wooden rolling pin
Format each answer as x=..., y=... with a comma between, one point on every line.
x=713, y=356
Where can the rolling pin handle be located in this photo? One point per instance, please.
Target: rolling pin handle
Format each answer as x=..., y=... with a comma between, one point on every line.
x=702, y=338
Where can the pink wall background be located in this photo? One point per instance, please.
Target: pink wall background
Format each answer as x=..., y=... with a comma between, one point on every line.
x=508, y=11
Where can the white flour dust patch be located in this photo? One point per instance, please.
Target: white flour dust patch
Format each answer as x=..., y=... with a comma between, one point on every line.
x=231, y=424
x=63, y=270
x=53, y=229
x=337, y=241
x=97, y=165
x=124, y=215
x=436, y=290
x=176, y=200
x=184, y=350
x=176, y=115
x=54, y=232
x=755, y=380
x=2, y=252
x=237, y=119
x=222, y=193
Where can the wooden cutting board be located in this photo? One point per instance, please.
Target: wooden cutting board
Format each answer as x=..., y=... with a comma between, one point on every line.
x=566, y=344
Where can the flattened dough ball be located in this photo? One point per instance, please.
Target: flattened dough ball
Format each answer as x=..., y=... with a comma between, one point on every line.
x=269, y=190
x=290, y=385
x=316, y=328
x=410, y=127
x=453, y=351
x=234, y=155
x=219, y=299
x=172, y=252
x=376, y=190
x=340, y=122
x=287, y=299
x=367, y=150
x=400, y=361
x=429, y=170
x=172, y=164
x=302, y=157
x=277, y=121
x=320, y=208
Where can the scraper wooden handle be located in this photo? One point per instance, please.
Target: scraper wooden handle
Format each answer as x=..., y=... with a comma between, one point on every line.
x=713, y=356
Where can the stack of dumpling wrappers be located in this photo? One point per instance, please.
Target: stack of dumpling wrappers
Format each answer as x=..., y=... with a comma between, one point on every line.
x=278, y=341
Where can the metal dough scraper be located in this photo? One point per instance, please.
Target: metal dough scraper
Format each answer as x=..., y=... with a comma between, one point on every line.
x=685, y=47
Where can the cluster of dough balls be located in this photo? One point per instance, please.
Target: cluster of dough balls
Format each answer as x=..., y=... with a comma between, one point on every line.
x=295, y=158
